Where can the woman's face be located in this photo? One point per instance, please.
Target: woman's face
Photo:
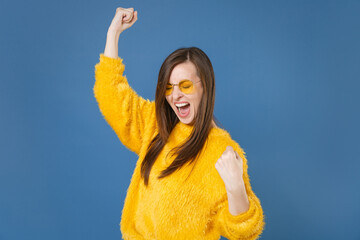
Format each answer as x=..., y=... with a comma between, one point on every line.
x=185, y=105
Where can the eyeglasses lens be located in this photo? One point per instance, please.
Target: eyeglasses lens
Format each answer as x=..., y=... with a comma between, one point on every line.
x=185, y=86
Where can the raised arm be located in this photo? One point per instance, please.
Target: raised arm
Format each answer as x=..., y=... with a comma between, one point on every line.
x=123, y=19
x=126, y=112
x=247, y=225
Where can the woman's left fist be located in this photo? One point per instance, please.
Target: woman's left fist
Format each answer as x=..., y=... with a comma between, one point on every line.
x=230, y=168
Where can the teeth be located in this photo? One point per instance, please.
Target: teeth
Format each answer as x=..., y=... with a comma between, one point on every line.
x=181, y=104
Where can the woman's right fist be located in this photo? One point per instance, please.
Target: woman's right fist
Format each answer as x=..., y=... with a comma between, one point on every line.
x=124, y=18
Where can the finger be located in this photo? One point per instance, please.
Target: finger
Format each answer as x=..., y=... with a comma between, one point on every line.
x=134, y=19
x=127, y=15
x=131, y=17
x=218, y=167
x=238, y=156
x=131, y=11
x=229, y=148
x=219, y=162
x=228, y=151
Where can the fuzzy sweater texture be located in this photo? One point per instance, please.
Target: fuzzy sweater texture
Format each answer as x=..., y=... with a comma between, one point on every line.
x=171, y=208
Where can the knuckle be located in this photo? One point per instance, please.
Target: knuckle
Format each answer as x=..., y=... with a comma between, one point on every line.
x=228, y=152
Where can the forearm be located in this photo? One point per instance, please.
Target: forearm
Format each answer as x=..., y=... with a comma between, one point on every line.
x=246, y=224
x=238, y=201
x=112, y=41
x=242, y=216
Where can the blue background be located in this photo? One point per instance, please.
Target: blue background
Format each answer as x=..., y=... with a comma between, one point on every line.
x=287, y=90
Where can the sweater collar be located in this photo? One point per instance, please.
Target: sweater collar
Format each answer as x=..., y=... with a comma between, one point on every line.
x=184, y=128
x=182, y=131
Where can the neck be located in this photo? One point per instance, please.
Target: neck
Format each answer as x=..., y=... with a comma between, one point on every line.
x=213, y=124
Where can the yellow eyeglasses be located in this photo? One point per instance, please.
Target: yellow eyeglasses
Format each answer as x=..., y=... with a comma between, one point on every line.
x=185, y=86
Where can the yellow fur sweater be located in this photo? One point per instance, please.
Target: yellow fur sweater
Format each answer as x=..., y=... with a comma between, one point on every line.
x=171, y=208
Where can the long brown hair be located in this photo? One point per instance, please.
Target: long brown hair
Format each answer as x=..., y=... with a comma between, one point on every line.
x=167, y=119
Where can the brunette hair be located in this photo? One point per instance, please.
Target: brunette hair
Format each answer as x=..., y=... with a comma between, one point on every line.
x=167, y=119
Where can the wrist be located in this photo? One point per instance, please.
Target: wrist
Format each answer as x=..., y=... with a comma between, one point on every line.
x=113, y=31
x=111, y=46
x=238, y=189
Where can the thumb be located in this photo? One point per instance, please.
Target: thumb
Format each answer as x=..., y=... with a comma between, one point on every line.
x=134, y=18
x=238, y=156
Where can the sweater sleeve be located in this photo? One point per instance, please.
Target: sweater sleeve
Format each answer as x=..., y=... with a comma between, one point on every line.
x=125, y=111
x=248, y=225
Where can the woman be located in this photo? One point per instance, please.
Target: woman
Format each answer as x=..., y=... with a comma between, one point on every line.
x=190, y=181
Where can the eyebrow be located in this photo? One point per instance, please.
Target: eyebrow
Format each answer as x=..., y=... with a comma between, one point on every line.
x=181, y=81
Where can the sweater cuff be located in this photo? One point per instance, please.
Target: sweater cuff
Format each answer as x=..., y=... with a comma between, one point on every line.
x=247, y=225
x=243, y=216
x=111, y=65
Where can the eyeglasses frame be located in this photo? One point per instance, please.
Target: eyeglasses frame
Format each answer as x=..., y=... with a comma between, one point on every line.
x=177, y=84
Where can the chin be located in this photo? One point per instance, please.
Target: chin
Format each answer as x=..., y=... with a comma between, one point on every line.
x=189, y=120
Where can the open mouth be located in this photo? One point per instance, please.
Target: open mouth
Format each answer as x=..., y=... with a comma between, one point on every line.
x=183, y=109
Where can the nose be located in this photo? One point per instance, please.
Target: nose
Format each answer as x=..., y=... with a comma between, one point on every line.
x=177, y=93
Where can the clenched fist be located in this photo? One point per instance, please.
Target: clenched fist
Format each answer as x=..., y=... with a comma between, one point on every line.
x=230, y=168
x=123, y=19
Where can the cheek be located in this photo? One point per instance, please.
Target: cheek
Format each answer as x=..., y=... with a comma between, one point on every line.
x=196, y=101
x=198, y=98
x=168, y=100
